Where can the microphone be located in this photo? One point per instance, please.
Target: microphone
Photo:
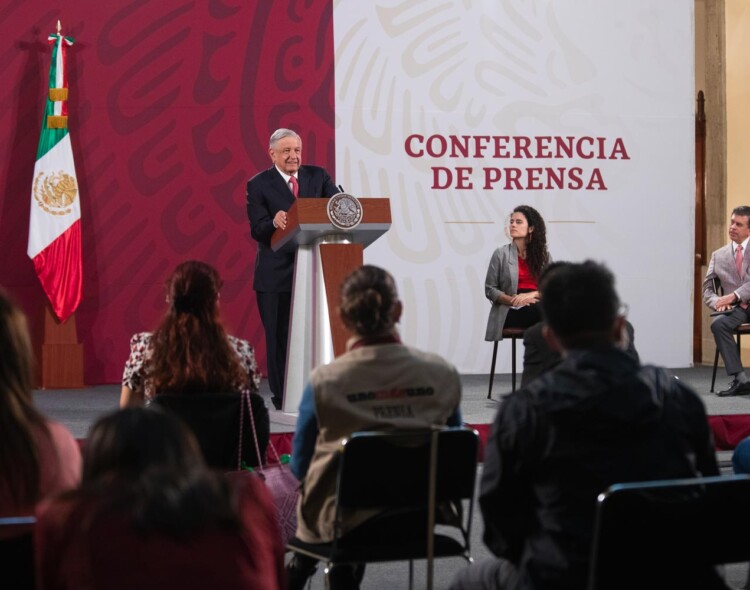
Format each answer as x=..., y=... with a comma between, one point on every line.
x=341, y=188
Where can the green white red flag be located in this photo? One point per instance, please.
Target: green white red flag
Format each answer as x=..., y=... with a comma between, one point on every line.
x=55, y=221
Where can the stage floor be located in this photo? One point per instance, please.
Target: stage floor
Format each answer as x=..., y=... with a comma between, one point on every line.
x=78, y=408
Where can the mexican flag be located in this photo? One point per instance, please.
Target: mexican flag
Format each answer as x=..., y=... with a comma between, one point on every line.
x=55, y=221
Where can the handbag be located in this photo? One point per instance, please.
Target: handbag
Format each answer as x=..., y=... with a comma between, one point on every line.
x=279, y=479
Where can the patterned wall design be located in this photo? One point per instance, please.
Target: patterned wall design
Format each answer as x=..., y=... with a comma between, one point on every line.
x=171, y=105
x=540, y=69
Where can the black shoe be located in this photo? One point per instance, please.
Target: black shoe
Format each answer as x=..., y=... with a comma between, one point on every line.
x=276, y=401
x=736, y=388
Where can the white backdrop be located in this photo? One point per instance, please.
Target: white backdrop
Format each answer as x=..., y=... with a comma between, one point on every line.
x=619, y=71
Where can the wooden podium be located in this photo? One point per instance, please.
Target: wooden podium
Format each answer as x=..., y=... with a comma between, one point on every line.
x=326, y=254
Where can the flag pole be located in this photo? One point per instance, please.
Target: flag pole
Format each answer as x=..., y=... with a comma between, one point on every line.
x=55, y=230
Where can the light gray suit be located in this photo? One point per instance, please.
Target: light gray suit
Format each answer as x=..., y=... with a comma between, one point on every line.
x=502, y=277
x=722, y=269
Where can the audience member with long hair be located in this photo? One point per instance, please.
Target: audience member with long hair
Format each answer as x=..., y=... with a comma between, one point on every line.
x=149, y=514
x=375, y=361
x=513, y=274
x=191, y=366
x=190, y=352
x=38, y=457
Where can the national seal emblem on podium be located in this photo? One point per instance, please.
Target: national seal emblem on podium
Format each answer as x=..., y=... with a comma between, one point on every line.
x=344, y=211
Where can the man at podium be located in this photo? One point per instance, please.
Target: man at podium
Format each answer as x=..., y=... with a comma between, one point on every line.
x=270, y=194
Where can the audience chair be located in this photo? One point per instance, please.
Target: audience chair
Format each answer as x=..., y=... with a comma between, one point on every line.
x=422, y=484
x=669, y=533
x=511, y=334
x=214, y=418
x=17, y=552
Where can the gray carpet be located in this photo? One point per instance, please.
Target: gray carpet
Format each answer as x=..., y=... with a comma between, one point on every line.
x=77, y=409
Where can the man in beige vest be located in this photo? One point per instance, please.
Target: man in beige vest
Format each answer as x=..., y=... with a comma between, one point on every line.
x=378, y=384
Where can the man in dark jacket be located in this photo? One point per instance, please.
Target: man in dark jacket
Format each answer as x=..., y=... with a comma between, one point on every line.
x=270, y=194
x=539, y=357
x=596, y=419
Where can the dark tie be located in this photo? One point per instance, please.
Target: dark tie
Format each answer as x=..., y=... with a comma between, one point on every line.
x=294, y=186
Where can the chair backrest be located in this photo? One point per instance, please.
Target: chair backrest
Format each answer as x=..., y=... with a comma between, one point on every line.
x=387, y=469
x=669, y=533
x=214, y=418
x=17, y=552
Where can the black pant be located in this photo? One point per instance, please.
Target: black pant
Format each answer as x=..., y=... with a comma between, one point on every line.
x=341, y=577
x=523, y=318
x=274, y=313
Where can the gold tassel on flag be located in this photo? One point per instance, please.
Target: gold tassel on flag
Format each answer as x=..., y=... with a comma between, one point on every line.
x=57, y=122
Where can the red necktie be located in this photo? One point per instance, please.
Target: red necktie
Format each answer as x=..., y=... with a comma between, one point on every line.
x=738, y=260
x=294, y=186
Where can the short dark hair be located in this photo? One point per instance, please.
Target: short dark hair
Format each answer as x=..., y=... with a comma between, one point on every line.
x=579, y=302
x=743, y=210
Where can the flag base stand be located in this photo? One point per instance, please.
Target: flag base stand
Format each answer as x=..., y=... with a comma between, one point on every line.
x=62, y=355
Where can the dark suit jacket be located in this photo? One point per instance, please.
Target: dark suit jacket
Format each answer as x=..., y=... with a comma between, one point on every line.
x=267, y=194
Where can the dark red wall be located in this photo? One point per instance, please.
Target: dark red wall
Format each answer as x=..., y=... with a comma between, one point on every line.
x=171, y=106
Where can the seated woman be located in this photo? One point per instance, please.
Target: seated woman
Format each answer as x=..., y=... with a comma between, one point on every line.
x=149, y=514
x=513, y=273
x=191, y=355
x=375, y=360
x=38, y=457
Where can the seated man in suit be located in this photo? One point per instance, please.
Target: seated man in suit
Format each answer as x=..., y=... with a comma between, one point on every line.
x=270, y=194
x=729, y=267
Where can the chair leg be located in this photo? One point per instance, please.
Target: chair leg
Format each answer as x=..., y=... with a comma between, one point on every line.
x=411, y=575
x=713, y=375
x=492, y=370
x=513, y=360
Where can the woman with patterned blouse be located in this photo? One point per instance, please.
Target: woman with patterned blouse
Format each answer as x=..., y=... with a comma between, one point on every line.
x=193, y=368
x=189, y=352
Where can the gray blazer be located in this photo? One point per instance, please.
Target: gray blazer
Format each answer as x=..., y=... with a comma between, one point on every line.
x=722, y=268
x=502, y=277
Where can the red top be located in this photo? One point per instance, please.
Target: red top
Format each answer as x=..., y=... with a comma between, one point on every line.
x=525, y=280
x=77, y=549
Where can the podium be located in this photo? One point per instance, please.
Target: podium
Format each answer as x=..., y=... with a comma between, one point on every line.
x=326, y=254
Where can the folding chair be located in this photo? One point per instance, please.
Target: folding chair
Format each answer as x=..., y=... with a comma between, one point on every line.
x=738, y=332
x=17, y=552
x=411, y=477
x=670, y=533
x=513, y=334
